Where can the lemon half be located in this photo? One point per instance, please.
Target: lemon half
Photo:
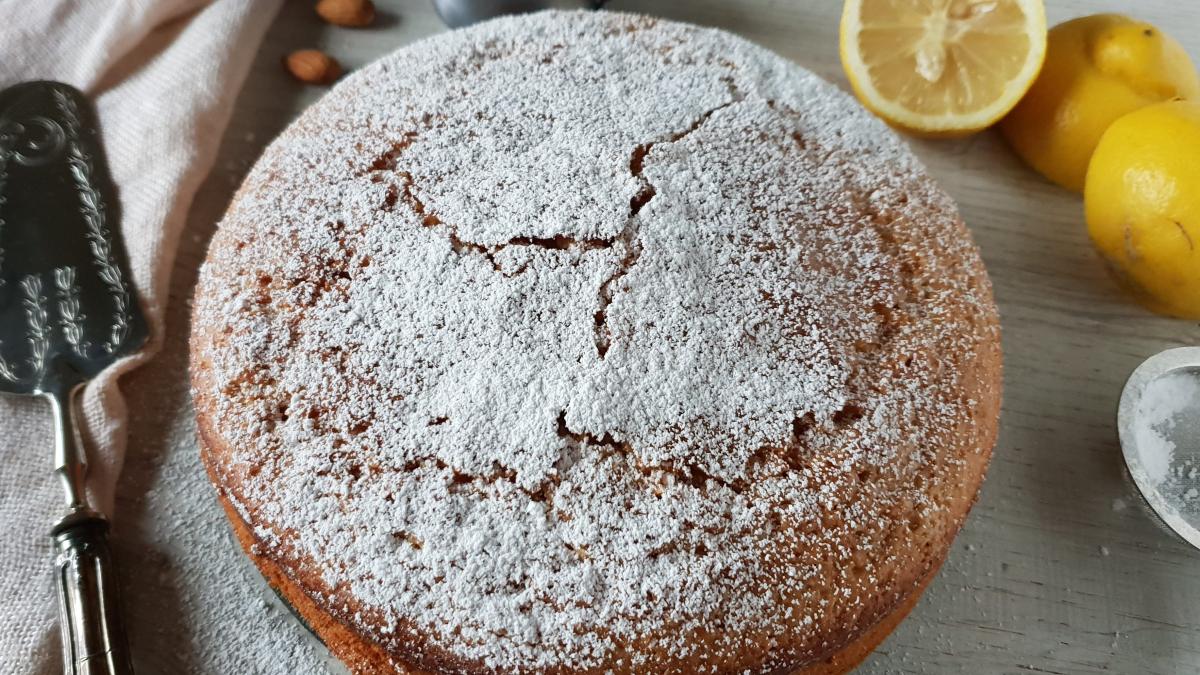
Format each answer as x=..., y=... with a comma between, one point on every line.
x=942, y=67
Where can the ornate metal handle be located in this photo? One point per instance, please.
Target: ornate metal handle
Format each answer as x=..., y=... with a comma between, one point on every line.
x=92, y=636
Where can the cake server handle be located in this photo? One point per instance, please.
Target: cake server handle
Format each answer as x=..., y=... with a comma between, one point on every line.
x=92, y=635
x=93, y=638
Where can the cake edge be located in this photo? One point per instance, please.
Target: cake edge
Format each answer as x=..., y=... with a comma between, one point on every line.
x=364, y=657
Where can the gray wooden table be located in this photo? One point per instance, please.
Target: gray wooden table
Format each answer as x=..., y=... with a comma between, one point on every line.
x=1059, y=568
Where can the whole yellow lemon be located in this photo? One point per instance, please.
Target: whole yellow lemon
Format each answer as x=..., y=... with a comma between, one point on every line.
x=1097, y=69
x=1142, y=200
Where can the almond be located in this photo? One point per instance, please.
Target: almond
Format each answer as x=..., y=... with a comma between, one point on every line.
x=313, y=66
x=351, y=13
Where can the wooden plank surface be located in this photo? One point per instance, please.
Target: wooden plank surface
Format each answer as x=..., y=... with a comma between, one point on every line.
x=1059, y=569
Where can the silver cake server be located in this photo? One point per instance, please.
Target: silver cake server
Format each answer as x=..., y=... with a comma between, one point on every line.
x=67, y=311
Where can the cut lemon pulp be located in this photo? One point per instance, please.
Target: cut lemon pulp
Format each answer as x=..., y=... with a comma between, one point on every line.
x=942, y=66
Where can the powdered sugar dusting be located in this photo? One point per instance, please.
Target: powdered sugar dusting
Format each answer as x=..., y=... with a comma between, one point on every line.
x=1167, y=401
x=588, y=341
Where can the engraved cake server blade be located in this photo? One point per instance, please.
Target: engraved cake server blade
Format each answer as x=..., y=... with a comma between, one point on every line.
x=67, y=311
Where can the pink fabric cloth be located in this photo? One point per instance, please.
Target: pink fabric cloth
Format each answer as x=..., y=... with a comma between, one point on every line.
x=163, y=75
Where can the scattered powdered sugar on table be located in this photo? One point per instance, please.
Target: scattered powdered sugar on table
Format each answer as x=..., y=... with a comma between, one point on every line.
x=584, y=340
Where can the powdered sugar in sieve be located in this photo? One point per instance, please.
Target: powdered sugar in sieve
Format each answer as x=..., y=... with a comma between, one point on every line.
x=1159, y=426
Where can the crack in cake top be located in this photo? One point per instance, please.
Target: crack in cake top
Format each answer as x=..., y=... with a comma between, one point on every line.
x=520, y=335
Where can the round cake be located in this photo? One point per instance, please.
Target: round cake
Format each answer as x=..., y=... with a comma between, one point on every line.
x=591, y=343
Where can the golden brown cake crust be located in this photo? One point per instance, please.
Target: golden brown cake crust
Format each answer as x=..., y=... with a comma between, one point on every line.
x=583, y=343
x=363, y=657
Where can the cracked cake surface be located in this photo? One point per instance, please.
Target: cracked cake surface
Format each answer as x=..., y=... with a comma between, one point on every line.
x=587, y=342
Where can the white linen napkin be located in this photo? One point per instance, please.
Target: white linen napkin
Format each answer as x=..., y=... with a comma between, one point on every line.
x=163, y=75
